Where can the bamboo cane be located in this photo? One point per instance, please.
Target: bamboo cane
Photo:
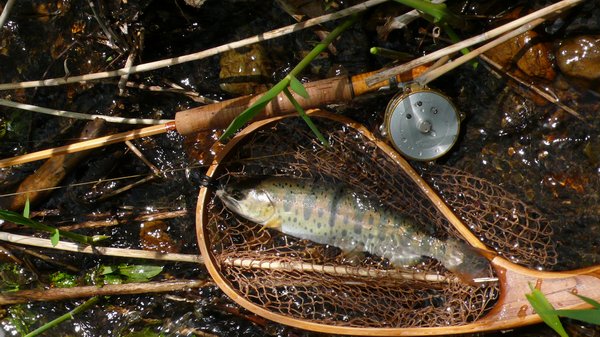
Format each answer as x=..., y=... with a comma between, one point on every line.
x=60, y=294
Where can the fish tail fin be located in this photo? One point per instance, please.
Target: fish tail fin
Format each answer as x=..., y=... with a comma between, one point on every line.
x=474, y=264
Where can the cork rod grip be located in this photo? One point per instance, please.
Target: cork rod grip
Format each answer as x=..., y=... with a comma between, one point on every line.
x=220, y=115
x=360, y=86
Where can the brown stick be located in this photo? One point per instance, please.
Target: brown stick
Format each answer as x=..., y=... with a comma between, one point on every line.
x=123, y=219
x=532, y=87
x=88, y=144
x=107, y=251
x=59, y=294
x=38, y=185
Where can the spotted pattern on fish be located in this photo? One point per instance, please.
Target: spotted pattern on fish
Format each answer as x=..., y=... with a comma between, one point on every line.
x=337, y=216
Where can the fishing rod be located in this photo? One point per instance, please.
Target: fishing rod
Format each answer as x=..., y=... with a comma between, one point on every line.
x=438, y=131
x=219, y=115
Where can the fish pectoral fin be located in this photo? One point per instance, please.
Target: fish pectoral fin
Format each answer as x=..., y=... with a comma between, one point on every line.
x=274, y=223
x=354, y=256
x=406, y=260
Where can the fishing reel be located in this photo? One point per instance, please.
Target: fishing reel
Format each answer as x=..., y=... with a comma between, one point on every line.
x=421, y=123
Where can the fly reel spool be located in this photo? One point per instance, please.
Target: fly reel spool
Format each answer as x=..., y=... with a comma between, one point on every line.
x=421, y=123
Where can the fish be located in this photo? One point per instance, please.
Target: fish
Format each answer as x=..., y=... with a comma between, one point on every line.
x=336, y=215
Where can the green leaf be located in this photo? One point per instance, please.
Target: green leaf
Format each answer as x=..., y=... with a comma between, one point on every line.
x=139, y=273
x=254, y=109
x=26, y=208
x=298, y=87
x=128, y=273
x=98, y=238
x=591, y=316
x=260, y=104
x=590, y=301
x=545, y=310
x=55, y=237
x=305, y=117
x=112, y=279
x=105, y=270
x=61, y=279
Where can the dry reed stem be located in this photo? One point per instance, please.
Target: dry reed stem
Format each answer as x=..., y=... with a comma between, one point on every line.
x=552, y=99
x=6, y=11
x=60, y=294
x=549, y=10
x=106, y=251
x=88, y=144
x=435, y=73
x=199, y=55
x=116, y=222
x=78, y=115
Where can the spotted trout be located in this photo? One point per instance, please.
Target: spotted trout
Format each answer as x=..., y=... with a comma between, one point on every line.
x=337, y=216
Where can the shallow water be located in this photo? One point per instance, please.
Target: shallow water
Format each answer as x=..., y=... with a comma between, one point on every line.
x=546, y=157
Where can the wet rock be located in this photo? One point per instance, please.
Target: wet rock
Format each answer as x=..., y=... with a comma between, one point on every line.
x=531, y=56
x=154, y=236
x=203, y=146
x=591, y=150
x=517, y=111
x=580, y=57
x=245, y=70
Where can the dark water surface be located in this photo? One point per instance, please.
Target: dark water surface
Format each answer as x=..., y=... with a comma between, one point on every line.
x=543, y=155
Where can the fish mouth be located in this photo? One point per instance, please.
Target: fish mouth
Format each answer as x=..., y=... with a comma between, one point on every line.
x=230, y=202
x=235, y=206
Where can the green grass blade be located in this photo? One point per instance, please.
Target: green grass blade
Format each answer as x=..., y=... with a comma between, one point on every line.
x=305, y=117
x=64, y=317
x=298, y=87
x=591, y=316
x=26, y=208
x=254, y=109
x=19, y=219
x=439, y=13
x=249, y=113
x=590, y=301
x=545, y=310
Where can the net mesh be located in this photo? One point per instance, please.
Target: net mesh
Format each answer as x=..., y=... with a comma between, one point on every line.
x=319, y=283
x=512, y=228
